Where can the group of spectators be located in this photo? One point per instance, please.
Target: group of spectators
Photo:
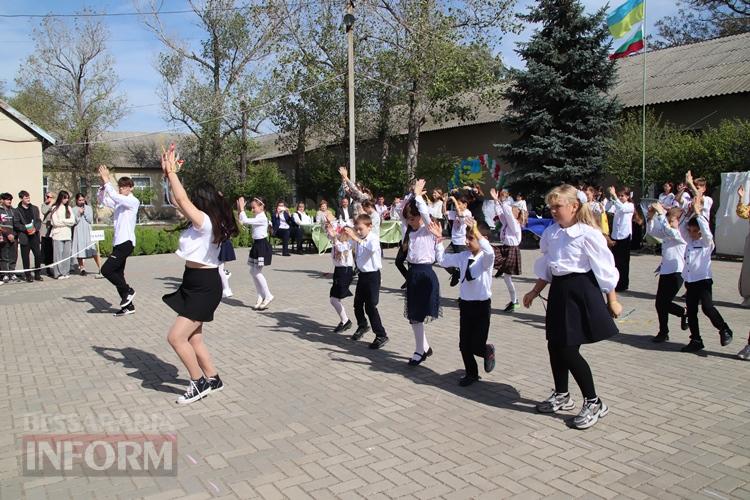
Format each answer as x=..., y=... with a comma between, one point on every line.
x=57, y=234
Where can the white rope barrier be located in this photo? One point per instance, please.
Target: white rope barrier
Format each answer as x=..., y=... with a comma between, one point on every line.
x=24, y=271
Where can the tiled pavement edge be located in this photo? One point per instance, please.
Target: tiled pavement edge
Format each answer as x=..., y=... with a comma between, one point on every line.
x=308, y=413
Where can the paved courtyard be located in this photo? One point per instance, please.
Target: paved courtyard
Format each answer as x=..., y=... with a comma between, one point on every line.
x=310, y=414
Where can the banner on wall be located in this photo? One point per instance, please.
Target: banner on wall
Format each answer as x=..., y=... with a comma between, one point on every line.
x=471, y=170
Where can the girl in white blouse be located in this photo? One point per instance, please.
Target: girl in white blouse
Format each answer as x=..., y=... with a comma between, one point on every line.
x=508, y=255
x=576, y=261
x=422, y=286
x=342, y=256
x=260, y=253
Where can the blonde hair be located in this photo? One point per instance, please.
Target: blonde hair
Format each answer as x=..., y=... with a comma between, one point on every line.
x=569, y=194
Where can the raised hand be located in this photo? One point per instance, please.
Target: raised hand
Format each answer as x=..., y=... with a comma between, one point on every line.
x=612, y=192
x=344, y=172
x=689, y=177
x=435, y=229
x=104, y=173
x=741, y=193
x=698, y=204
x=419, y=187
x=493, y=194
x=241, y=204
x=470, y=222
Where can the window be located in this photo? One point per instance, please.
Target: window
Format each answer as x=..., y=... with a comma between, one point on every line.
x=87, y=189
x=143, y=191
x=165, y=201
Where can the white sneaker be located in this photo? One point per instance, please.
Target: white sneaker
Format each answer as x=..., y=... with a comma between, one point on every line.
x=264, y=305
x=226, y=293
x=744, y=353
x=258, y=303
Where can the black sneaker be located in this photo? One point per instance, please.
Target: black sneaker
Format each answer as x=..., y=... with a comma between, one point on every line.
x=216, y=384
x=659, y=338
x=454, y=278
x=693, y=346
x=343, y=326
x=83, y=272
x=361, y=330
x=684, y=322
x=379, y=342
x=489, y=358
x=124, y=312
x=511, y=307
x=128, y=298
x=725, y=336
x=196, y=390
x=467, y=380
x=29, y=279
x=38, y=277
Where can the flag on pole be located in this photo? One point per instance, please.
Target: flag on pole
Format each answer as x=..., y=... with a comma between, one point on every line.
x=624, y=17
x=632, y=44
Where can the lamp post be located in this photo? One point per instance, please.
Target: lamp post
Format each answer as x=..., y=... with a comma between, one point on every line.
x=349, y=23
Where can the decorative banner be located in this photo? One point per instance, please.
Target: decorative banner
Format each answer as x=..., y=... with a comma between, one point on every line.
x=97, y=235
x=471, y=170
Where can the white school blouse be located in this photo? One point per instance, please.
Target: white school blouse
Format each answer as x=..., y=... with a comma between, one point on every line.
x=301, y=219
x=708, y=202
x=667, y=200
x=259, y=224
x=579, y=248
x=436, y=210
x=480, y=288
x=458, y=231
x=672, y=244
x=698, y=254
x=125, y=212
x=510, y=234
x=622, y=224
x=368, y=254
x=341, y=254
x=375, y=218
x=197, y=245
x=421, y=242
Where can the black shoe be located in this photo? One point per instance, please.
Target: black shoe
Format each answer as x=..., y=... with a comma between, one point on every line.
x=454, y=278
x=489, y=358
x=422, y=357
x=693, y=346
x=29, y=279
x=38, y=277
x=128, y=299
x=216, y=384
x=725, y=335
x=124, y=312
x=343, y=326
x=196, y=390
x=467, y=380
x=659, y=338
x=286, y=255
x=684, y=322
x=498, y=273
x=361, y=330
x=379, y=342
x=83, y=272
x=403, y=287
x=511, y=307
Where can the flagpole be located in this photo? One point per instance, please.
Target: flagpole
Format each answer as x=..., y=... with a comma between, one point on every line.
x=643, y=147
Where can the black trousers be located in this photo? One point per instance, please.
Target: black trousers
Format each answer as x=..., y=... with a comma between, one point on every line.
x=474, y=327
x=699, y=293
x=34, y=246
x=284, y=235
x=8, y=256
x=565, y=359
x=669, y=285
x=401, y=260
x=114, y=268
x=621, y=253
x=297, y=236
x=366, y=298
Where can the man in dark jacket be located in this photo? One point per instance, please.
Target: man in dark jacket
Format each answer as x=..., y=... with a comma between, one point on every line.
x=28, y=225
x=8, y=245
x=282, y=223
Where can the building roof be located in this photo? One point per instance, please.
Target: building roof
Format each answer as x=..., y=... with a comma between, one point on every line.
x=698, y=70
x=21, y=119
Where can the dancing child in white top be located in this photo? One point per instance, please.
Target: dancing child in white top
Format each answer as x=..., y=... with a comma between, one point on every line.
x=508, y=254
x=622, y=232
x=260, y=254
x=342, y=256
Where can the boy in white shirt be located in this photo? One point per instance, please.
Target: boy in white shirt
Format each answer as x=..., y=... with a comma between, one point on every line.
x=369, y=208
x=125, y=207
x=367, y=294
x=622, y=233
x=698, y=187
x=474, y=303
x=698, y=280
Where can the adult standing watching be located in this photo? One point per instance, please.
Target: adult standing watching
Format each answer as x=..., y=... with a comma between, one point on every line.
x=8, y=242
x=46, y=213
x=29, y=224
x=82, y=246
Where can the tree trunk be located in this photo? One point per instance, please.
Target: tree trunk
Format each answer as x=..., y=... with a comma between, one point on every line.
x=384, y=136
x=243, y=151
x=299, y=163
x=415, y=124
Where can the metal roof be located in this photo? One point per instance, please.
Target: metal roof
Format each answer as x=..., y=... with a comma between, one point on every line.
x=705, y=69
x=27, y=124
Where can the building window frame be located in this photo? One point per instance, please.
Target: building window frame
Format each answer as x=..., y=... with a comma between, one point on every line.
x=135, y=179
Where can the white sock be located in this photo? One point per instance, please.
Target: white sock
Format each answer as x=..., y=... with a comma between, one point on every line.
x=224, y=278
x=511, y=287
x=339, y=307
x=261, y=285
x=420, y=339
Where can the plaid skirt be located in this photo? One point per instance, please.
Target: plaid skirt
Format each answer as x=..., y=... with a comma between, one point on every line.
x=508, y=259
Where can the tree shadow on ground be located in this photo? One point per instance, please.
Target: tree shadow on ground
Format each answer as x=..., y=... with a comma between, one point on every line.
x=98, y=304
x=495, y=394
x=152, y=371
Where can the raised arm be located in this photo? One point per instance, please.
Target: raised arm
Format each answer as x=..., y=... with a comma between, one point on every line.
x=424, y=210
x=169, y=162
x=104, y=198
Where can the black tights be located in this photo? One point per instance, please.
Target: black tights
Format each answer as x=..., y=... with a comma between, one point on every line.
x=564, y=359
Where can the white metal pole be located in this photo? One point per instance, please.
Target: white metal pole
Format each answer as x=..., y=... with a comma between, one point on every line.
x=352, y=143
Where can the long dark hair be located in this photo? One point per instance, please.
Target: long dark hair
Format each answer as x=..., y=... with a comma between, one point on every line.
x=81, y=195
x=210, y=201
x=58, y=202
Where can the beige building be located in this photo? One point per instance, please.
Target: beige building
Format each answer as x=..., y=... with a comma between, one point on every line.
x=21, y=146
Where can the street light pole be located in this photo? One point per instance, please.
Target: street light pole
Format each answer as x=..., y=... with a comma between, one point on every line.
x=349, y=23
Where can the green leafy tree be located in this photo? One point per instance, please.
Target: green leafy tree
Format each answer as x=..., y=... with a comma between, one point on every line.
x=264, y=180
x=698, y=20
x=559, y=106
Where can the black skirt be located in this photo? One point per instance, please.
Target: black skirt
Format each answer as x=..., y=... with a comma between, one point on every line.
x=198, y=296
x=260, y=253
x=342, y=279
x=226, y=252
x=422, y=294
x=576, y=311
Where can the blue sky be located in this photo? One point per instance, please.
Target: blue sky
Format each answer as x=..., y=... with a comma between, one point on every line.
x=134, y=49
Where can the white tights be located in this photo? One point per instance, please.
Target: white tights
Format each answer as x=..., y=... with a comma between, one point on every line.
x=224, y=278
x=261, y=285
x=339, y=307
x=511, y=287
x=420, y=339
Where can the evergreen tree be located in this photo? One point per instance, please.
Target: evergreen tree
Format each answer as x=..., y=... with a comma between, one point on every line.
x=559, y=107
